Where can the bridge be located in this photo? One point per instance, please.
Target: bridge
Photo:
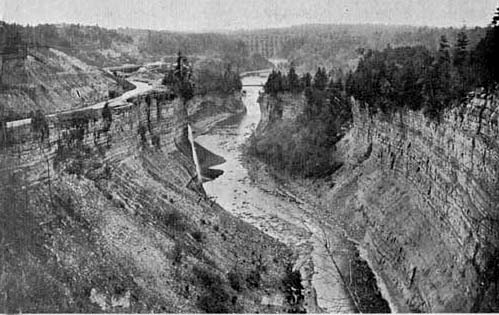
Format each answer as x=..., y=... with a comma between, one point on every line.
x=257, y=85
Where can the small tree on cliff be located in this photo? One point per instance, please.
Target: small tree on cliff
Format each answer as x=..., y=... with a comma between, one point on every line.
x=320, y=79
x=306, y=80
x=231, y=80
x=107, y=116
x=293, y=81
x=495, y=19
x=39, y=124
x=486, y=53
x=274, y=83
x=180, y=78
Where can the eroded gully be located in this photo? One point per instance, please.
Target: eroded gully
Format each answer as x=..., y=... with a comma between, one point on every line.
x=317, y=244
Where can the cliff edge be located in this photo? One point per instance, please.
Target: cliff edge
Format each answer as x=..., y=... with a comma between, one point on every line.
x=101, y=212
x=420, y=198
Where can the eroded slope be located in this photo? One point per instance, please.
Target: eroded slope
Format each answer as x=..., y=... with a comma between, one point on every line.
x=102, y=214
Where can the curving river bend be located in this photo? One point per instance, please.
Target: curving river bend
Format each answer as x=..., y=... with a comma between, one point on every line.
x=290, y=221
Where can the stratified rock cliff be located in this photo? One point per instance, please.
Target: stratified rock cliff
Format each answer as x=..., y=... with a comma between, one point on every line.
x=101, y=213
x=421, y=197
x=424, y=200
x=208, y=110
x=49, y=80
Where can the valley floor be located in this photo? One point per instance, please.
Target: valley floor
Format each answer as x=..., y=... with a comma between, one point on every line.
x=334, y=277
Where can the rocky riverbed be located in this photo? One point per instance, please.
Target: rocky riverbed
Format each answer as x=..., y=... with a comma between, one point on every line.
x=331, y=271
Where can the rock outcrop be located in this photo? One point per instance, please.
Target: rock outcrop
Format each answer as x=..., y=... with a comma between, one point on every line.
x=101, y=214
x=50, y=80
x=424, y=198
x=208, y=110
x=421, y=198
x=284, y=106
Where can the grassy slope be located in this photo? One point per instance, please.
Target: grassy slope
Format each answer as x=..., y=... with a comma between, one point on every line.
x=129, y=237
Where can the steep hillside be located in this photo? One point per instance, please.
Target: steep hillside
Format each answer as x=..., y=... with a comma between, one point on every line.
x=103, y=213
x=52, y=81
x=425, y=204
x=420, y=198
x=103, y=47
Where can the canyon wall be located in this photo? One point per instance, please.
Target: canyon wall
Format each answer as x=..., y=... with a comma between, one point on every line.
x=420, y=198
x=283, y=107
x=101, y=213
x=424, y=197
x=207, y=110
x=154, y=119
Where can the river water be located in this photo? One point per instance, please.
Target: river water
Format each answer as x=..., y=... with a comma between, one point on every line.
x=289, y=221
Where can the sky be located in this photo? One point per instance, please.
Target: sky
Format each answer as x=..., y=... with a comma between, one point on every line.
x=209, y=15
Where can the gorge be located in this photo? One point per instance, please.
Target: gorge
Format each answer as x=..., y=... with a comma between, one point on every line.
x=420, y=199
x=104, y=213
x=168, y=172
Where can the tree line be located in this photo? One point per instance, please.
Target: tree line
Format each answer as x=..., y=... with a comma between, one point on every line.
x=207, y=77
x=416, y=78
x=389, y=80
x=87, y=42
x=60, y=37
x=304, y=146
x=310, y=46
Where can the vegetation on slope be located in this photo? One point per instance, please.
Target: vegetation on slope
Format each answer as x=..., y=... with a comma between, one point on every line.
x=208, y=76
x=388, y=80
x=339, y=46
x=303, y=146
x=103, y=47
x=416, y=78
x=100, y=235
x=52, y=81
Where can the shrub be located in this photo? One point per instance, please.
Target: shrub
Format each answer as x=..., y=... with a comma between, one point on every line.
x=253, y=279
x=208, y=279
x=215, y=301
x=107, y=117
x=177, y=253
x=142, y=132
x=198, y=236
x=176, y=220
x=293, y=289
x=39, y=124
x=236, y=281
x=156, y=142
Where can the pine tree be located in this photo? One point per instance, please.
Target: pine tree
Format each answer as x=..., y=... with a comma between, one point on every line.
x=306, y=80
x=461, y=50
x=443, y=51
x=293, y=80
x=320, y=79
x=495, y=19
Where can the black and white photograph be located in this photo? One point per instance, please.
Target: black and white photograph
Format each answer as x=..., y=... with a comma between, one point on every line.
x=249, y=156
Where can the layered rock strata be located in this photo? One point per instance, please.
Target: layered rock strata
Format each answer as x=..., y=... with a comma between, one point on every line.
x=101, y=214
x=421, y=199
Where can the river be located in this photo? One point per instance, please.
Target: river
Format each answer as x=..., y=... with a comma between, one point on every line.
x=287, y=220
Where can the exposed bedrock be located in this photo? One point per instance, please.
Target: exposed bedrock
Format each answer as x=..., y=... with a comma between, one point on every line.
x=422, y=199
x=101, y=213
x=426, y=198
x=51, y=81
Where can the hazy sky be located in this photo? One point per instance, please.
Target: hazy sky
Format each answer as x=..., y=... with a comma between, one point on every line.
x=202, y=15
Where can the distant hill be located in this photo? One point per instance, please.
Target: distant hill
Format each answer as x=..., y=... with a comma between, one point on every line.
x=339, y=45
x=307, y=46
x=102, y=47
